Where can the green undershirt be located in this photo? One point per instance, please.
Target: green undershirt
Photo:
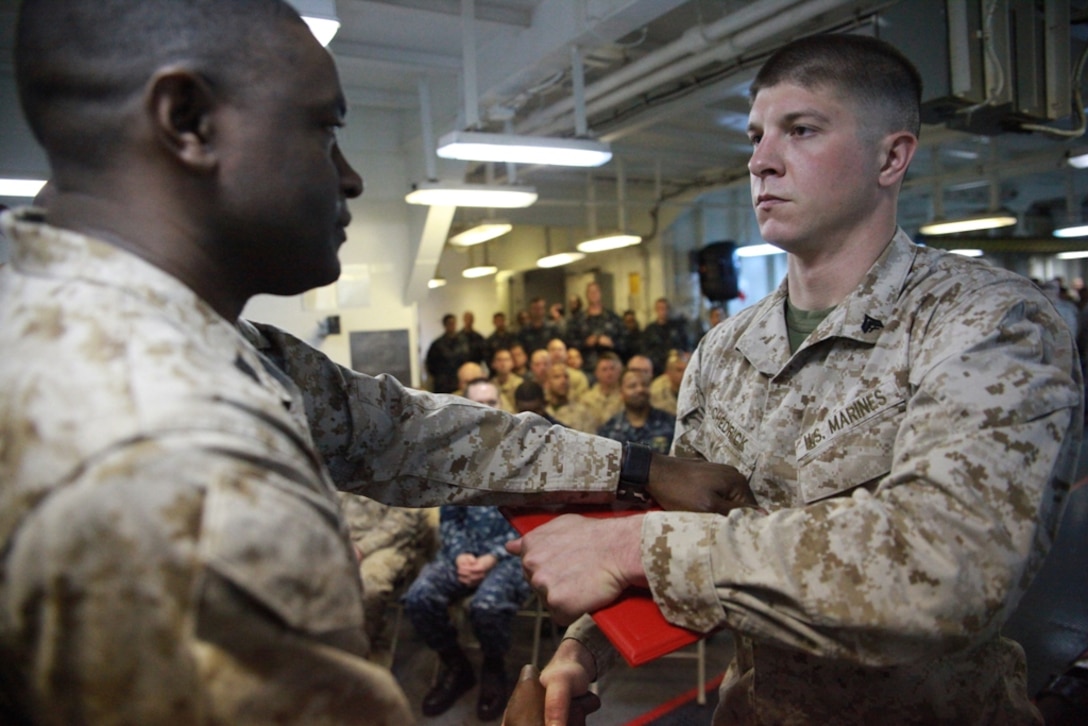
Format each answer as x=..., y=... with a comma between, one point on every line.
x=800, y=323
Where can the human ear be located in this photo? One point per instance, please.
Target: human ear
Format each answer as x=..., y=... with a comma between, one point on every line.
x=897, y=150
x=180, y=105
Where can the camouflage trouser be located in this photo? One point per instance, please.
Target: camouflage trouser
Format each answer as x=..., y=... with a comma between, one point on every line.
x=490, y=611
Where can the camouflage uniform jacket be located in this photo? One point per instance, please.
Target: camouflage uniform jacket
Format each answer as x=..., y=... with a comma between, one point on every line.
x=912, y=460
x=172, y=547
x=601, y=405
x=662, y=395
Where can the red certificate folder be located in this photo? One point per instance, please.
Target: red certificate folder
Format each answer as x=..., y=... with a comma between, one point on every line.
x=633, y=623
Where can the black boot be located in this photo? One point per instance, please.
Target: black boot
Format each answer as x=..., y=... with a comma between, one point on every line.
x=493, y=690
x=455, y=678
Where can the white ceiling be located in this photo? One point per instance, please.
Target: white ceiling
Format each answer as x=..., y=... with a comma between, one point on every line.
x=665, y=83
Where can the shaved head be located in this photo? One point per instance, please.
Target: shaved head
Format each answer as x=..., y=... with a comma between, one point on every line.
x=80, y=63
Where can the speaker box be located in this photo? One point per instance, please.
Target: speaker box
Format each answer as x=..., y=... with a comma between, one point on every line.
x=717, y=271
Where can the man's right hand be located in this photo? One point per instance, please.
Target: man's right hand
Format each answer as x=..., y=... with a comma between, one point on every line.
x=559, y=696
x=695, y=485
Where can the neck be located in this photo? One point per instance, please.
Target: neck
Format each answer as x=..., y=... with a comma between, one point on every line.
x=153, y=235
x=637, y=416
x=822, y=278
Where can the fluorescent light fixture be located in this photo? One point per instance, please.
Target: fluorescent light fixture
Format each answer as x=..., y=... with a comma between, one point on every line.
x=480, y=146
x=967, y=252
x=1075, y=230
x=1077, y=255
x=559, y=259
x=320, y=16
x=974, y=223
x=482, y=232
x=608, y=242
x=21, y=187
x=458, y=194
x=436, y=282
x=759, y=250
x=1077, y=159
x=479, y=271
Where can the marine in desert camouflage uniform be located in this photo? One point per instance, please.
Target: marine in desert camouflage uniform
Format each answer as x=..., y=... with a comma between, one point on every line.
x=910, y=441
x=172, y=547
x=392, y=544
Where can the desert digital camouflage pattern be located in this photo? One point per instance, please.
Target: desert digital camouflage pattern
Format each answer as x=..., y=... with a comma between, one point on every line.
x=173, y=551
x=912, y=459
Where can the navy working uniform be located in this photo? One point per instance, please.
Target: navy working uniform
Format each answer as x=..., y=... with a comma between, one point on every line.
x=656, y=432
x=478, y=531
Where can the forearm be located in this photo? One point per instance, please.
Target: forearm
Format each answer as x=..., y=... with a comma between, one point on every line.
x=414, y=448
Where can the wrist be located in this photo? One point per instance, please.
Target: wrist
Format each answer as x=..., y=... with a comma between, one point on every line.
x=634, y=477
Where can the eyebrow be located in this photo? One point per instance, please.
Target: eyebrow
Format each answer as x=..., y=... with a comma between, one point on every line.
x=795, y=116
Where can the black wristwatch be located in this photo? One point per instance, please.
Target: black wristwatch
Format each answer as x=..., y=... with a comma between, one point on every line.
x=634, y=473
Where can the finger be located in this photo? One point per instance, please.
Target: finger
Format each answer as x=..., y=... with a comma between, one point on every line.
x=581, y=707
x=557, y=703
x=514, y=546
x=526, y=704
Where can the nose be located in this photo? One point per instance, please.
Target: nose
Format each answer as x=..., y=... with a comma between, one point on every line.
x=350, y=181
x=764, y=160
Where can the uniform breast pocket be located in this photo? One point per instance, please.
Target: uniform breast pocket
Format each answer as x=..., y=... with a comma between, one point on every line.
x=285, y=552
x=850, y=445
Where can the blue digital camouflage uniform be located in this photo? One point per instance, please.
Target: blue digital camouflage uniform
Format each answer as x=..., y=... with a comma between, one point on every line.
x=911, y=460
x=478, y=531
x=656, y=432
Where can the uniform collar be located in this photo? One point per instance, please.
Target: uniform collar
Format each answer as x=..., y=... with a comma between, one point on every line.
x=862, y=316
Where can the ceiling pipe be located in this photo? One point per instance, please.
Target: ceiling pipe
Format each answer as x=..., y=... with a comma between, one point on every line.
x=468, y=60
x=693, y=40
x=722, y=41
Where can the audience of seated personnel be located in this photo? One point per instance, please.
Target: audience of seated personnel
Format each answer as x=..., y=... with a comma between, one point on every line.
x=465, y=373
x=501, y=336
x=664, y=334
x=579, y=383
x=445, y=355
x=392, y=544
x=629, y=340
x=570, y=413
x=666, y=387
x=643, y=365
x=595, y=330
x=639, y=422
x=472, y=561
x=603, y=399
x=502, y=375
x=537, y=330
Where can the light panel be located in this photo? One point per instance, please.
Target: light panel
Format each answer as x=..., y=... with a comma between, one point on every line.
x=974, y=223
x=479, y=271
x=21, y=187
x=482, y=232
x=1076, y=230
x=511, y=148
x=559, y=259
x=608, y=242
x=456, y=194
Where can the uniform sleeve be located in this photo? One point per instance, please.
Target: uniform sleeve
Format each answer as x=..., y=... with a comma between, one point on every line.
x=175, y=584
x=453, y=531
x=935, y=556
x=413, y=448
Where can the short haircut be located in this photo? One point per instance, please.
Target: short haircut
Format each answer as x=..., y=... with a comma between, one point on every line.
x=78, y=61
x=529, y=391
x=448, y=317
x=610, y=356
x=868, y=71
